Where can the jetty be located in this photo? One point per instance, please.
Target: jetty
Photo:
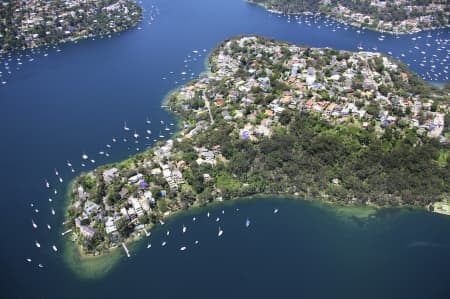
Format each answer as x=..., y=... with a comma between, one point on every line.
x=66, y=232
x=126, y=249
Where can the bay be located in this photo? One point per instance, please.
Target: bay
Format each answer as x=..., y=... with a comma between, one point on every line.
x=75, y=101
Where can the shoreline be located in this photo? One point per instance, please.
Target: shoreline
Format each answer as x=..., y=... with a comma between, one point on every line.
x=339, y=20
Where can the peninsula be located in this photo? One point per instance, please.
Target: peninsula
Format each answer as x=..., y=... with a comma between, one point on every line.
x=35, y=23
x=270, y=117
x=397, y=17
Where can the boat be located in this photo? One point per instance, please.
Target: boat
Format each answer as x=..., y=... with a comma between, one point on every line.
x=37, y=244
x=168, y=232
x=41, y=266
x=135, y=135
x=149, y=132
x=53, y=211
x=196, y=242
x=69, y=164
x=207, y=215
x=247, y=222
x=220, y=233
x=149, y=245
x=161, y=222
x=84, y=156
x=194, y=219
x=125, y=127
x=275, y=211
x=163, y=243
x=183, y=248
x=48, y=226
x=56, y=172
x=60, y=180
x=184, y=229
x=148, y=121
x=29, y=260
x=33, y=223
x=217, y=219
x=54, y=248
x=47, y=184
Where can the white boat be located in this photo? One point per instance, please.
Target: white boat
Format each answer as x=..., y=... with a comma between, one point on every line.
x=149, y=245
x=125, y=127
x=84, y=156
x=184, y=229
x=69, y=164
x=40, y=266
x=196, y=242
x=53, y=211
x=47, y=184
x=149, y=132
x=60, y=180
x=135, y=135
x=161, y=222
x=193, y=218
x=33, y=223
x=168, y=232
x=54, y=248
x=29, y=260
x=55, y=191
x=183, y=248
x=275, y=211
x=36, y=210
x=220, y=233
x=217, y=219
x=247, y=222
x=163, y=243
x=37, y=244
x=48, y=226
x=148, y=121
x=207, y=215
x=56, y=172
x=114, y=140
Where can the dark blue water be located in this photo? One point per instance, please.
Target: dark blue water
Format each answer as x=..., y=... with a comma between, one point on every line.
x=75, y=101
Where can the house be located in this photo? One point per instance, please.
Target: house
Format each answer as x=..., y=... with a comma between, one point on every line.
x=136, y=178
x=87, y=231
x=109, y=174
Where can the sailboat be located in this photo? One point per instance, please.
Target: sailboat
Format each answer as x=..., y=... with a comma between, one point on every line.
x=47, y=184
x=220, y=233
x=37, y=244
x=33, y=223
x=54, y=248
x=125, y=127
x=184, y=229
x=53, y=211
x=247, y=222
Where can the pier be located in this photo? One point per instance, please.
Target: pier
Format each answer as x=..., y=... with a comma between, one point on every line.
x=66, y=232
x=126, y=249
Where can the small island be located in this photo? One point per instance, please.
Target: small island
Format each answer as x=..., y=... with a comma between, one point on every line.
x=36, y=23
x=269, y=117
x=395, y=17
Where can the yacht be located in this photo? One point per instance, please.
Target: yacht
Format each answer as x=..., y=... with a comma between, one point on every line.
x=29, y=260
x=60, y=179
x=135, y=135
x=54, y=248
x=247, y=222
x=125, y=127
x=56, y=172
x=275, y=211
x=149, y=132
x=183, y=248
x=37, y=244
x=48, y=226
x=196, y=242
x=33, y=223
x=84, y=156
x=163, y=243
x=184, y=229
x=53, y=211
x=69, y=164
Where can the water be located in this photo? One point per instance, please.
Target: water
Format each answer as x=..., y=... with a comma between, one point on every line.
x=74, y=101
